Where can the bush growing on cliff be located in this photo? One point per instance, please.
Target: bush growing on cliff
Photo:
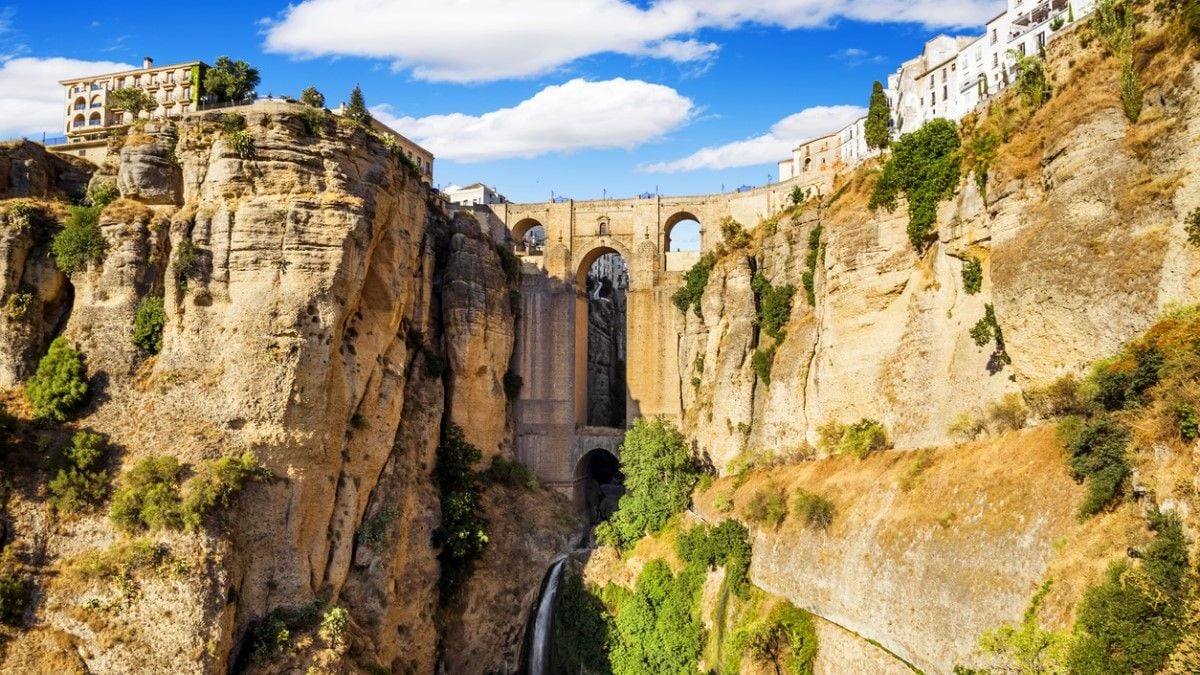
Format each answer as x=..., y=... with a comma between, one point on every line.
x=924, y=166
x=660, y=473
x=786, y=636
x=463, y=533
x=986, y=330
x=510, y=472
x=859, y=439
x=1027, y=647
x=147, y=496
x=1121, y=382
x=763, y=360
x=311, y=96
x=80, y=483
x=1131, y=622
x=510, y=263
x=972, y=275
x=148, y=324
x=810, y=264
x=1191, y=224
x=726, y=545
x=103, y=194
x=774, y=305
x=815, y=510
x=214, y=484
x=80, y=241
x=15, y=592
x=60, y=384
x=768, y=507
x=657, y=628
x=1096, y=454
x=694, y=281
x=733, y=234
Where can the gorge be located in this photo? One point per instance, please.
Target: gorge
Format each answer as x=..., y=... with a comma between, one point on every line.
x=272, y=405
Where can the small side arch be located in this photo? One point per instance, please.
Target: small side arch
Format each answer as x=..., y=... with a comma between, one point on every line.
x=689, y=233
x=599, y=484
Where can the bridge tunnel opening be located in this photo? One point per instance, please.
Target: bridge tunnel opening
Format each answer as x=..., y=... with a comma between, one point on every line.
x=605, y=287
x=682, y=233
x=599, y=485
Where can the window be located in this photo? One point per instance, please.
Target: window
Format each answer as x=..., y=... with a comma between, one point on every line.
x=995, y=35
x=933, y=98
x=1042, y=40
x=995, y=60
x=945, y=93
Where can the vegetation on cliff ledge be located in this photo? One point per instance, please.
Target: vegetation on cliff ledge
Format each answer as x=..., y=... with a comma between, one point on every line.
x=924, y=167
x=463, y=534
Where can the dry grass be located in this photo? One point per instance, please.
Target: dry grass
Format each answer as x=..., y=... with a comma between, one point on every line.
x=127, y=211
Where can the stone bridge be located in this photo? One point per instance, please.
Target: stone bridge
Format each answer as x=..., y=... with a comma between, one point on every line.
x=552, y=339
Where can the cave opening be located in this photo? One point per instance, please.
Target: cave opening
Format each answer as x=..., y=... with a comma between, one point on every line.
x=599, y=477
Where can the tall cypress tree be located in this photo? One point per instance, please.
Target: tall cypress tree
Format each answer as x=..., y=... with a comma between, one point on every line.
x=356, y=109
x=879, y=135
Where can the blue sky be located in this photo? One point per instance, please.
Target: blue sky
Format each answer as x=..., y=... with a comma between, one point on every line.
x=682, y=96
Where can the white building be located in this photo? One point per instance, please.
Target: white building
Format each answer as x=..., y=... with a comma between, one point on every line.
x=852, y=144
x=927, y=87
x=811, y=158
x=476, y=194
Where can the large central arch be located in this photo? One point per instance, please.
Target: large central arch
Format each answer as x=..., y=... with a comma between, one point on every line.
x=588, y=390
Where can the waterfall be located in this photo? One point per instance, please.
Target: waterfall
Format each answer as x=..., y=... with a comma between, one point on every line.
x=540, y=645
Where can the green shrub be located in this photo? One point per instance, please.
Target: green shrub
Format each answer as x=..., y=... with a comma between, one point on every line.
x=1028, y=648
x=272, y=635
x=1131, y=90
x=147, y=496
x=986, y=330
x=512, y=385
x=510, y=472
x=1189, y=423
x=660, y=473
x=186, y=263
x=1191, y=224
x=723, y=502
x=1121, y=383
x=774, y=305
x=333, y=626
x=312, y=97
x=862, y=438
x=694, y=281
x=1131, y=622
x=810, y=264
x=148, y=324
x=1061, y=397
x=80, y=483
x=435, y=364
x=1009, y=413
x=373, y=533
x=733, y=234
x=80, y=242
x=231, y=123
x=1096, y=454
x=726, y=545
x=103, y=194
x=18, y=304
x=315, y=120
x=658, y=627
x=242, y=143
x=815, y=510
x=1031, y=80
x=15, y=592
x=582, y=630
x=972, y=275
x=230, y=80
x=785, y=637
x=60, y=384
x=924, y=166
x=768, y=507
x=463, y=533
x=763, y=360
x=214, y=484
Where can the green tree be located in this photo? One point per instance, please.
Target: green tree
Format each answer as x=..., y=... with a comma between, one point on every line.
x=148, y=496
x=60, y=383
x=660, y=473
x=356, y=109
x=878, y=128
x=658, y=629
x=80, y=482
x=581, y=630
x=463, y=534
x=924, y=166
x=80, y=241
x=312, y=97
x=132, y=100
x=231, y=80
x=148, y=324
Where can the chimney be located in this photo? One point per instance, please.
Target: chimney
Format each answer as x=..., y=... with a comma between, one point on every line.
x=147, y=63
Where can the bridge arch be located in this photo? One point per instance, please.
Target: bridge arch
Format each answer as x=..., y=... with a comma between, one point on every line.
x=601, y=338
x=588, y=259
x=683, y=219
x=529, y=236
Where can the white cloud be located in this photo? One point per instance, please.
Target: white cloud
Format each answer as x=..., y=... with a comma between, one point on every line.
x=33, y=100
x=484, y=40
x=769, y=147
x=577, y=115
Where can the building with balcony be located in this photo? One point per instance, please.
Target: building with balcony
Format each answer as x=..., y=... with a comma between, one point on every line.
x=476, y=194
x=90, y=115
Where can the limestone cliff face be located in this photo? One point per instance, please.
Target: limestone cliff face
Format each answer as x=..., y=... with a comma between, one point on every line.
x=1081, y=249
x=312, y=290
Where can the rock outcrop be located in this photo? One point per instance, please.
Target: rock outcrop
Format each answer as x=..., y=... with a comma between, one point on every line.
x=326, y=314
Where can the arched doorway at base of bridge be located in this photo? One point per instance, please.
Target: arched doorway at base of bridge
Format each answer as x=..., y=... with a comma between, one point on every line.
x=599, y=485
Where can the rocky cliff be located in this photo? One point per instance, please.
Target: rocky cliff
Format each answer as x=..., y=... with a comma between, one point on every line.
x=323, y=312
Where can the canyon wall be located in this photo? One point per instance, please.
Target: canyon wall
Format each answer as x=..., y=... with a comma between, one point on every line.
x=324, y=312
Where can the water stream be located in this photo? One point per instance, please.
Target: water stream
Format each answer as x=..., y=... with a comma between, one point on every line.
x=540, y=645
